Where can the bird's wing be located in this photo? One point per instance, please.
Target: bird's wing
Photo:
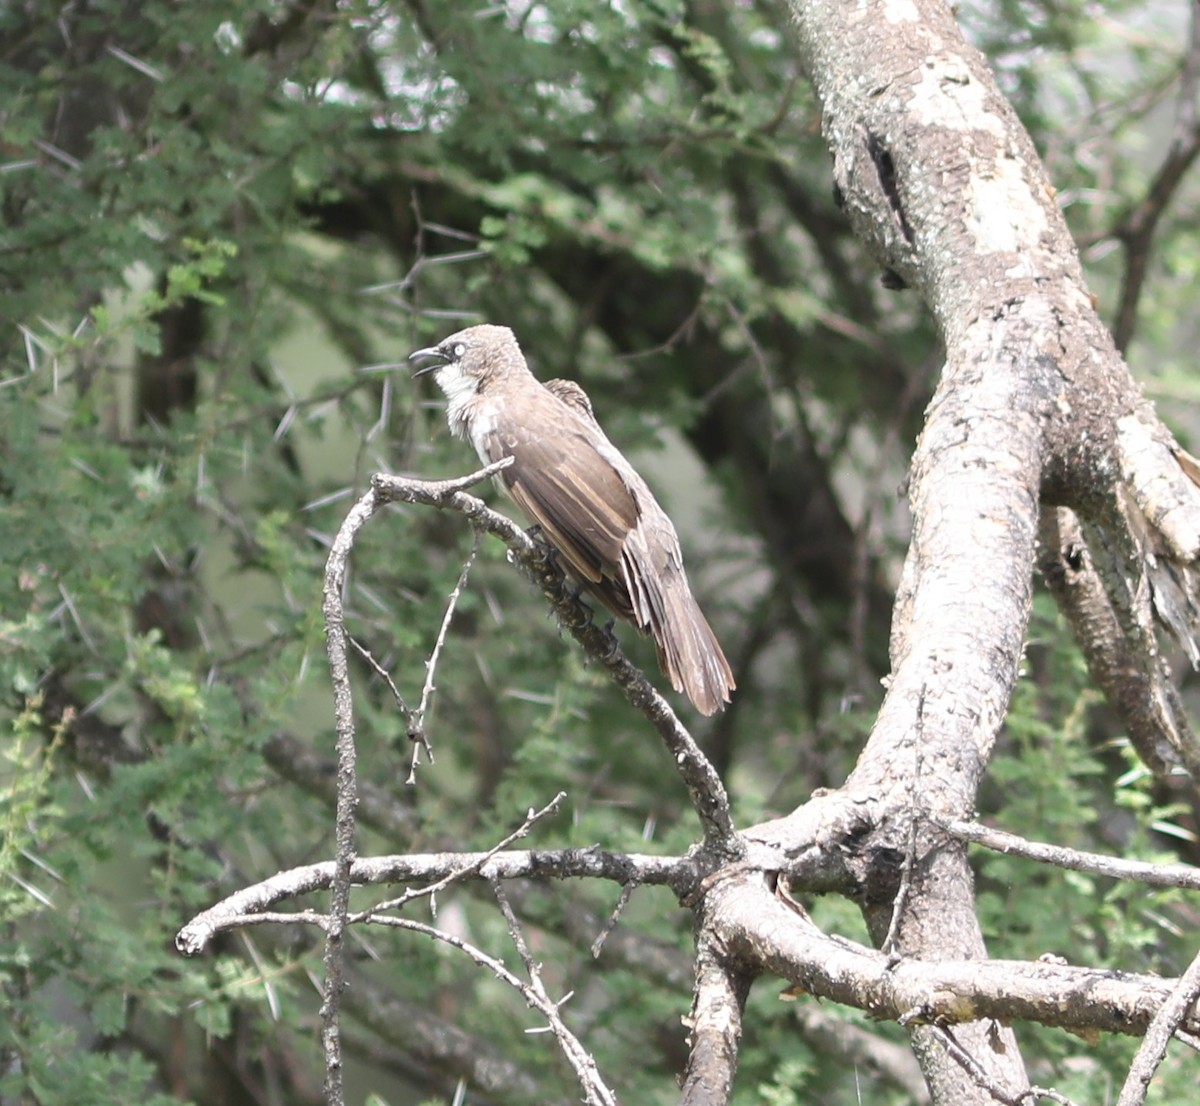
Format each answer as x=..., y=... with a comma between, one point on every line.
x=572, y=492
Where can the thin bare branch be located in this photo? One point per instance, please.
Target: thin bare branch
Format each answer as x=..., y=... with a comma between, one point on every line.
x=416, y=719
x=1137, y=226
x=595, y=1091
x=347, y=792
x=704, y=785
x=961, y=1056
x=613, y=918
x=681, y=874
x=1170, y=1017
x=1155, y=875
x=577, y=1056
x=336, y=644
x=379, y=671
x=470, y=868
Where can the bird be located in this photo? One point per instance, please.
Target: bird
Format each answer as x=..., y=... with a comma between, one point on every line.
x=589, y=502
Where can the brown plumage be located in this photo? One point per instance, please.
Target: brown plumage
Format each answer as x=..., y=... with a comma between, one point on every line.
x=591, y=504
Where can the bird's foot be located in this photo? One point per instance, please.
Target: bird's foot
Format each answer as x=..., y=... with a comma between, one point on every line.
x=612, y=645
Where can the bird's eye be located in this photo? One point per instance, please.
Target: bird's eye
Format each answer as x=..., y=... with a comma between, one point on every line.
x=459, y=350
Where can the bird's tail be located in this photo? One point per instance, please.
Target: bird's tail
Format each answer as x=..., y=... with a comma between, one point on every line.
x=688, y=651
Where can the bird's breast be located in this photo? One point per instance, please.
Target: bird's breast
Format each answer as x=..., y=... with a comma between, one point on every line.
x=481, y=423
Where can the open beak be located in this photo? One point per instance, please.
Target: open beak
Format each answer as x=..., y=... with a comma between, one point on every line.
x=432, y=351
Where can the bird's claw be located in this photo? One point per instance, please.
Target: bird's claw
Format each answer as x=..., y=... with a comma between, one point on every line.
x=612, y=644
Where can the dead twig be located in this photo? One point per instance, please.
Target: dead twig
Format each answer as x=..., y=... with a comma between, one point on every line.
x=704, y=785
x=1167, y=1021
x=1137, y=226
x=613, y=918
x=975, y=1070
x=594, y=1088
x=468, y=868
x=1154, y=875
x=416, y=719
x=336, y=644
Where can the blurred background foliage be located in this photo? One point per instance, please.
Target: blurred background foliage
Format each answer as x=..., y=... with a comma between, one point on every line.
x=224, y=225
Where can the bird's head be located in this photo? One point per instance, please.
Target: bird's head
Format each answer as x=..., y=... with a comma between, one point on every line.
x=468, y=360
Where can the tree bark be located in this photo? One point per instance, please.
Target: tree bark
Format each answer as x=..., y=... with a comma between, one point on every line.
x=943, y=183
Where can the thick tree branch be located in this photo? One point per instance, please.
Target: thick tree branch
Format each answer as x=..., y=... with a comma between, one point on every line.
x=894, y=95
x=1034, y=404
x=715, y=1023
x=758, y=926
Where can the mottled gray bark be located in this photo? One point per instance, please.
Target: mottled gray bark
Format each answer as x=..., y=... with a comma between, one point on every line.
x=1034, y=406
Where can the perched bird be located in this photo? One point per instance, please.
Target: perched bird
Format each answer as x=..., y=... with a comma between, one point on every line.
x=591, y=505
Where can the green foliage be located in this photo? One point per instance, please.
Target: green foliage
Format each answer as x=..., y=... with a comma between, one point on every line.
x=787, y=1088
x=224, y=225
x=62, y=1073
x=1053, y=775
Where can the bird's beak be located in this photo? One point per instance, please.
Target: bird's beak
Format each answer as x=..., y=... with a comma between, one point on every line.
x=432, y=351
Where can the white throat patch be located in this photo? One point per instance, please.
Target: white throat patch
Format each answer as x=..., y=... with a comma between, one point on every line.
x=460, y=389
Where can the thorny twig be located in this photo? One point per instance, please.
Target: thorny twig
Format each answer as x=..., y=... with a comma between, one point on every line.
x=595, y=1091
x=416, y=719
x=578, y=1057
x=336, y=639
x=469, y=869
x=379, y=671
